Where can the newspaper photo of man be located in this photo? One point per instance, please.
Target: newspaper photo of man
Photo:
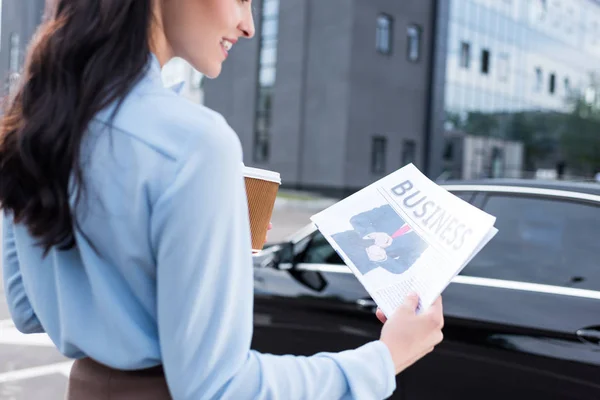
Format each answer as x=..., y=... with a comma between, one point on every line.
x=381, y=238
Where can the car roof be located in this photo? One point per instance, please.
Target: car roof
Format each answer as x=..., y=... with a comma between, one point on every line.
x=586, y=190
x=570, y=186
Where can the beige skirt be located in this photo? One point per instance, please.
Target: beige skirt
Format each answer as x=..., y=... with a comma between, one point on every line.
x=90, y=380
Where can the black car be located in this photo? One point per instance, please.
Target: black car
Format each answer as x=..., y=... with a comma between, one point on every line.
x=522, y=319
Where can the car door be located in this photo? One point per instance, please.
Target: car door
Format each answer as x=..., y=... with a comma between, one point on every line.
x=523, y=318
x=293, y=318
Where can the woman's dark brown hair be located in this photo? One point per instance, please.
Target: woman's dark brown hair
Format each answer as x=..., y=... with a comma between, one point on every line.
x=87, y=55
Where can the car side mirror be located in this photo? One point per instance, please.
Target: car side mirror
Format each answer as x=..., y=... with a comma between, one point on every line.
x=275, y=256
x=285, y=255
x=312, y=279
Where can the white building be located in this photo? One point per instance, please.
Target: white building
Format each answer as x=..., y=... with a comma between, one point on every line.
x=509, y=57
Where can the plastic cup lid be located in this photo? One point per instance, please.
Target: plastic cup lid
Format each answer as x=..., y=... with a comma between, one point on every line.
x=263, y=174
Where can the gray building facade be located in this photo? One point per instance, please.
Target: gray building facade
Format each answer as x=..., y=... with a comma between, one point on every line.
x=335, y=94
x=19, y=20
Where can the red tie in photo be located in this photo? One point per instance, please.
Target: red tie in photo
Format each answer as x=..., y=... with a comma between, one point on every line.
x=402, y=231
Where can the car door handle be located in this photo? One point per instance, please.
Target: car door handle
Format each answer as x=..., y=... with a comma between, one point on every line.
x=367, y=304
x=591, y=335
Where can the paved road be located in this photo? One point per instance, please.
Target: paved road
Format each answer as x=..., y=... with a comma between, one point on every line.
x=30, y=367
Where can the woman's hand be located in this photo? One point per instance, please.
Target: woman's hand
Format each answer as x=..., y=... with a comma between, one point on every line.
x=268, y=229
x=409, y=336
x=381, y=316
x=266, y=237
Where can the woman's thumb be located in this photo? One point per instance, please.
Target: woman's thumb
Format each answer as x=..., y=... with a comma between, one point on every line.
x=411, y=302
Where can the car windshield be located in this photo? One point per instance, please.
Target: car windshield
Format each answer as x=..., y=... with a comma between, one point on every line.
x=320, y=251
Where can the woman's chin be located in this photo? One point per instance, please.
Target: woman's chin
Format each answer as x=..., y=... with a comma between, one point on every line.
x=213, y=72
x=210, y=70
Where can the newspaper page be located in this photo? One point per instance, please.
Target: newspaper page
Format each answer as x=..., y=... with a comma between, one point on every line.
x=405, y=234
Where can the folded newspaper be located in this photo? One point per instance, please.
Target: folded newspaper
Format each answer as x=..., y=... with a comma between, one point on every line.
x=405, y=234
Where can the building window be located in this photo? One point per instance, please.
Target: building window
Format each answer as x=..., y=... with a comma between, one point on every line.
x=465, y=55
x=267, y=73
x=0, y=24
x=539, y=79
x=503, y=67
x=15, y=52
x=378, y=155
x=567, y=85
x=590, y=95
x=485, y=61
x=413, y=35
x=552, y=84
x=409, y=152
x=383, y=39
x=541, y=9
x=594, y=33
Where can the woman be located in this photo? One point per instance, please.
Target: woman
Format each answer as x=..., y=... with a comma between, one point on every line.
x=126, y=234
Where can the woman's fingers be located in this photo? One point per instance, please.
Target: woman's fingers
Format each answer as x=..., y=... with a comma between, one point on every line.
x=381, y=316
x=268, y=229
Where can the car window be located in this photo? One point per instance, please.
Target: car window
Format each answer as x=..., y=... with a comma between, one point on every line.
x=466, y=196
x=319, y=251
x=541, y=240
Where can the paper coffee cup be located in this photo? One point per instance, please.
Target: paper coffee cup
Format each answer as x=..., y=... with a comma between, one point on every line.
x=261, y=189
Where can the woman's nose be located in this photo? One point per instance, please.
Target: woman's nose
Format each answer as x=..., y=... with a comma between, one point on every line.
x=247, y=26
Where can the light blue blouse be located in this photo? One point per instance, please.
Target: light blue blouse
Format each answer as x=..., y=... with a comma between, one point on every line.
x=162, y=270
